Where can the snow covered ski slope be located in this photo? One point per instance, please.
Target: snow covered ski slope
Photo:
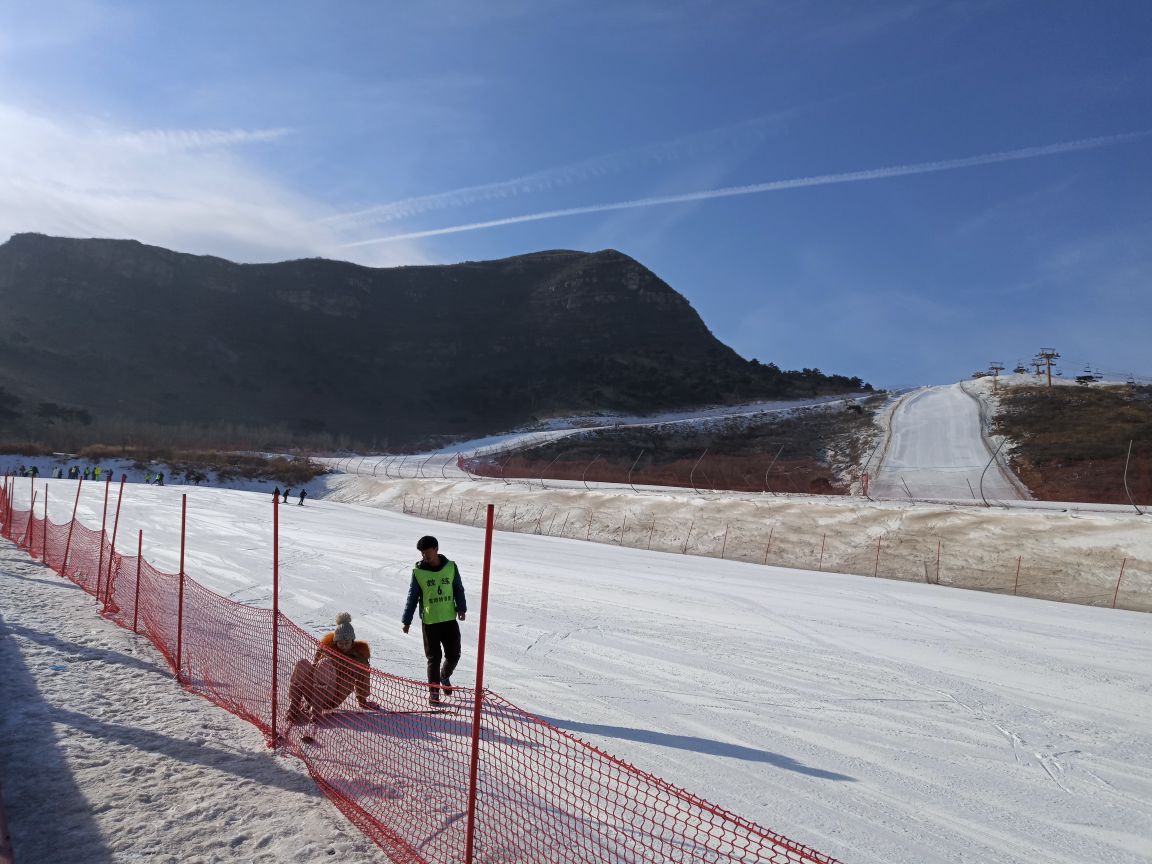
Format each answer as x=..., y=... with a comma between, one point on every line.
x=875, y=720
x=937, y=449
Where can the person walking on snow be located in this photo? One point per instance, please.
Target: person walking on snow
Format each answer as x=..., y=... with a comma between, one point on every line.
x=286, y=491
x=437, y=589
x=303, y=495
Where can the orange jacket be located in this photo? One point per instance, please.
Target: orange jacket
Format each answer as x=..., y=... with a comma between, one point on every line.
x=353, y=675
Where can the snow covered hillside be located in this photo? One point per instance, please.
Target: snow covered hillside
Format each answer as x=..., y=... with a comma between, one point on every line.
x=876, y=720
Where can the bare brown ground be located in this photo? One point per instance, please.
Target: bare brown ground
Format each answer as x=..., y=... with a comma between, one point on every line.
x=1072, y=442
x=803, y=451
x=733, y=473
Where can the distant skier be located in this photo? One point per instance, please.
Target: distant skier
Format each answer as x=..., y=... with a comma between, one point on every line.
x=159, y=478
x=303, y=495
x=286, y=491
x=437, y=589
x=276, y=492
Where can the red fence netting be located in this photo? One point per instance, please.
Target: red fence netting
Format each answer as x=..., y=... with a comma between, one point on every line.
x=400, y=769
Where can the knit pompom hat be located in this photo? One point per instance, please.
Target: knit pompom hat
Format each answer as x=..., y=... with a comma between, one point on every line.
x=344, y=631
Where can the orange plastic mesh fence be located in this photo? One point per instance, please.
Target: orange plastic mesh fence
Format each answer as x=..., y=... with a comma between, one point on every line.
x=395, y=765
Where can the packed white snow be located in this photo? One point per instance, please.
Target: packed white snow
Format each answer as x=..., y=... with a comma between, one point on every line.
x=876, y=720
x=938, y=448
x=105, y=759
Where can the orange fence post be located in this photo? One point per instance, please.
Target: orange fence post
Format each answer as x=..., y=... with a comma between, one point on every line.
x=103, y=536
x=136, y=597
x=112, y=549
x=180, y=602
x=470, y=834
x=275, y=611
x=25, y=541
x=44, y=532
x=71, y=525
x=1116, y=593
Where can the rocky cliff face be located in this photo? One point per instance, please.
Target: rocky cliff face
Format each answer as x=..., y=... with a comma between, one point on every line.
x=122, y=329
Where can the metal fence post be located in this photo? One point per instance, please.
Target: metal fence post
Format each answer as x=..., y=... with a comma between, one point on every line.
x=180, y=602
x=136, y=596
x=112, y=549
x=474, y=769
x=275, y=613
x=71, y=525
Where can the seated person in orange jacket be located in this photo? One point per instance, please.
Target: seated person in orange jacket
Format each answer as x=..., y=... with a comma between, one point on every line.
x=330, y=678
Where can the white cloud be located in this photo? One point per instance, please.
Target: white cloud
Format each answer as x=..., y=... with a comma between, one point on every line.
x=183, y=189
x=168, y=140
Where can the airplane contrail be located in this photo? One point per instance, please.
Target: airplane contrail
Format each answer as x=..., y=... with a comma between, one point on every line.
x=778, y=185
x=564, y=175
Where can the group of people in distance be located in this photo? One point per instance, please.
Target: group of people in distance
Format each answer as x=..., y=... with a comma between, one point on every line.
x=303, y=494
x=94, y=472
x=341, y=665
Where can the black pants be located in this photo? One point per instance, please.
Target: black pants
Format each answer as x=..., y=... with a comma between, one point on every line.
x=442, y=648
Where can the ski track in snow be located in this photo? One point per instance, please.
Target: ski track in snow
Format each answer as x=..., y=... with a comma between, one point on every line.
x=876, y=720
x=936, y=449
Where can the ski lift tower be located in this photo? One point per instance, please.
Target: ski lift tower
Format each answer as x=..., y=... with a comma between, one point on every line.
x=1046, y=356
x=994, y=369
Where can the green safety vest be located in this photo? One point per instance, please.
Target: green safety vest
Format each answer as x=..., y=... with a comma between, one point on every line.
x=437, y=601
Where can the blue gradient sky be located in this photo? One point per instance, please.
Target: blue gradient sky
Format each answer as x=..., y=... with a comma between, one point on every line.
x=285, y=130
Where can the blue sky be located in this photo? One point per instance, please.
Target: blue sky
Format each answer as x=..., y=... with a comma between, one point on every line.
x=263, y=131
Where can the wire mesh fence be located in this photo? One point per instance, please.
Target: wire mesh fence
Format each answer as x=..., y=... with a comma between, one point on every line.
x=916, y=551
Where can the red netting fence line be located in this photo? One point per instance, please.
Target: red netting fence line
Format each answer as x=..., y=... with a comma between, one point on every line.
x=400, y=770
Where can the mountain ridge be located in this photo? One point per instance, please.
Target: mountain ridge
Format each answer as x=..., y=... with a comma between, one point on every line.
x=146, y=335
